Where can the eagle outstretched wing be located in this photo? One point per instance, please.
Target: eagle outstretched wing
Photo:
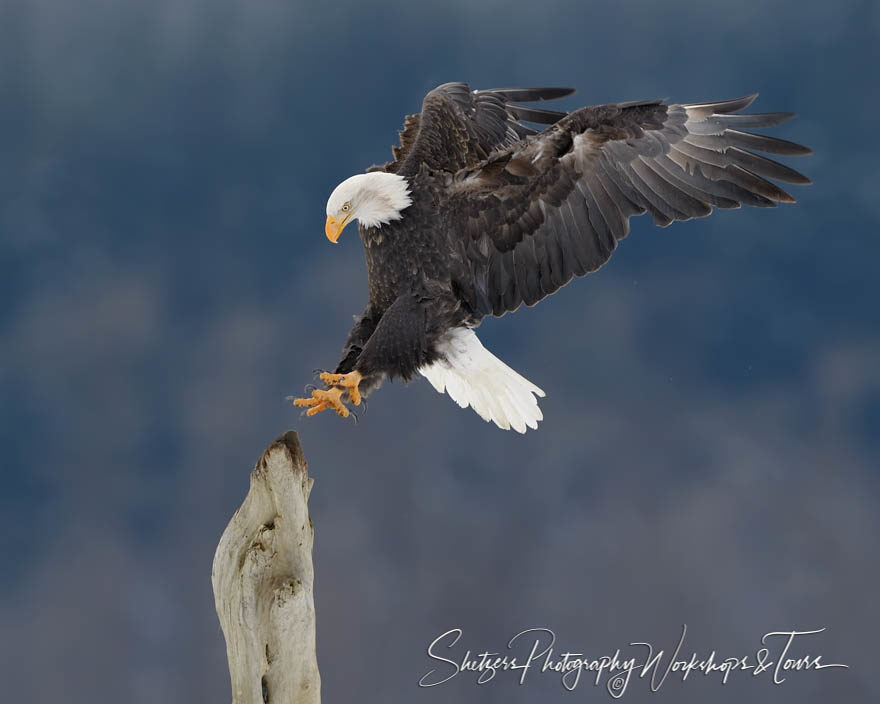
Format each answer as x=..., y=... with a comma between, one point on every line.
x=547, y=207
x=459, y=128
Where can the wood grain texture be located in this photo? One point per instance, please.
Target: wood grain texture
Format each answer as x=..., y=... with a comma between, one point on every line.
x=263, y=578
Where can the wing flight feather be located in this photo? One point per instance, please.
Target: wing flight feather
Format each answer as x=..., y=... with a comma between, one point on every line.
x=555, y=204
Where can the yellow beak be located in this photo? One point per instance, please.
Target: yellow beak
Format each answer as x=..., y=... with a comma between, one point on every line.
x=333, y=228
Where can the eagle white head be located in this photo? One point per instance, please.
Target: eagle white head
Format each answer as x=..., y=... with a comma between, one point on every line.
x=375, y=198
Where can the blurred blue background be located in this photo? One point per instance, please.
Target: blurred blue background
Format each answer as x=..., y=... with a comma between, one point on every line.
x=710, y=451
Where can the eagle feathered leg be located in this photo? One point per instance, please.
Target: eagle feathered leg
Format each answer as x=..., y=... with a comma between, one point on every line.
x=396, y=343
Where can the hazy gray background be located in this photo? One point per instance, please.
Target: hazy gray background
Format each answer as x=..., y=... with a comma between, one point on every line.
x=710, y=452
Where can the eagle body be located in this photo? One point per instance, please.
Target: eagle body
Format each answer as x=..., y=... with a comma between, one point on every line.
x=481, y=212
x=402, y=254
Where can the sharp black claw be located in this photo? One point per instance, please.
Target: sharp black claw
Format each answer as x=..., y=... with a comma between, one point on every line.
x=309, y=388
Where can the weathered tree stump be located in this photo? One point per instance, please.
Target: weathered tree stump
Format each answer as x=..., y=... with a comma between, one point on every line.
x=262, y=579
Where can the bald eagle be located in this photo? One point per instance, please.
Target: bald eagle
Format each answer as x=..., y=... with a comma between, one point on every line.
x=480, y=212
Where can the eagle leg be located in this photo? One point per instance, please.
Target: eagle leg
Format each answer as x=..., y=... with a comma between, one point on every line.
x=348, y=381
x=323, y=399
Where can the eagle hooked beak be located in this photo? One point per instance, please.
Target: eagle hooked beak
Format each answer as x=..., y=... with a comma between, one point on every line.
x=333, y=228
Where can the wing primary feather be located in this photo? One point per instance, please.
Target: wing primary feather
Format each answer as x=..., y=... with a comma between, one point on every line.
x=682, y=206
x=722, y=106
x=529, y=95
x=663, y=212
x=722, y=181
x=700, y=188
x=758, y=185
x=767, y=167
x=758, y=119
x=702, y=155
x=748, y=140
x=613, y=174
x=716, y=124
x=639, y=103
x=679, y=198
x=627, y=207
x=542, y=117
x=734, y=155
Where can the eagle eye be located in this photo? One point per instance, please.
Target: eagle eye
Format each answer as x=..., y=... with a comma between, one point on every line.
x=346, y=207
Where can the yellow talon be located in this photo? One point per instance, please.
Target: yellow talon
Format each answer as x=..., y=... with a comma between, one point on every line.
x=348, y=381
x=323, y=399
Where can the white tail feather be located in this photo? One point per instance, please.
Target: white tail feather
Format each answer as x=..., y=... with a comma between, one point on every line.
x=473, y=376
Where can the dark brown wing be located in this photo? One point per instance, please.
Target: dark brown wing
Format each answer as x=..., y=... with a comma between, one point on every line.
x=459, y=127
x=408, y=134
x=554, y=206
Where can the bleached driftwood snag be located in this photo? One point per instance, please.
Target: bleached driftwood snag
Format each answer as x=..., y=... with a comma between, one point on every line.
x=262, y=579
